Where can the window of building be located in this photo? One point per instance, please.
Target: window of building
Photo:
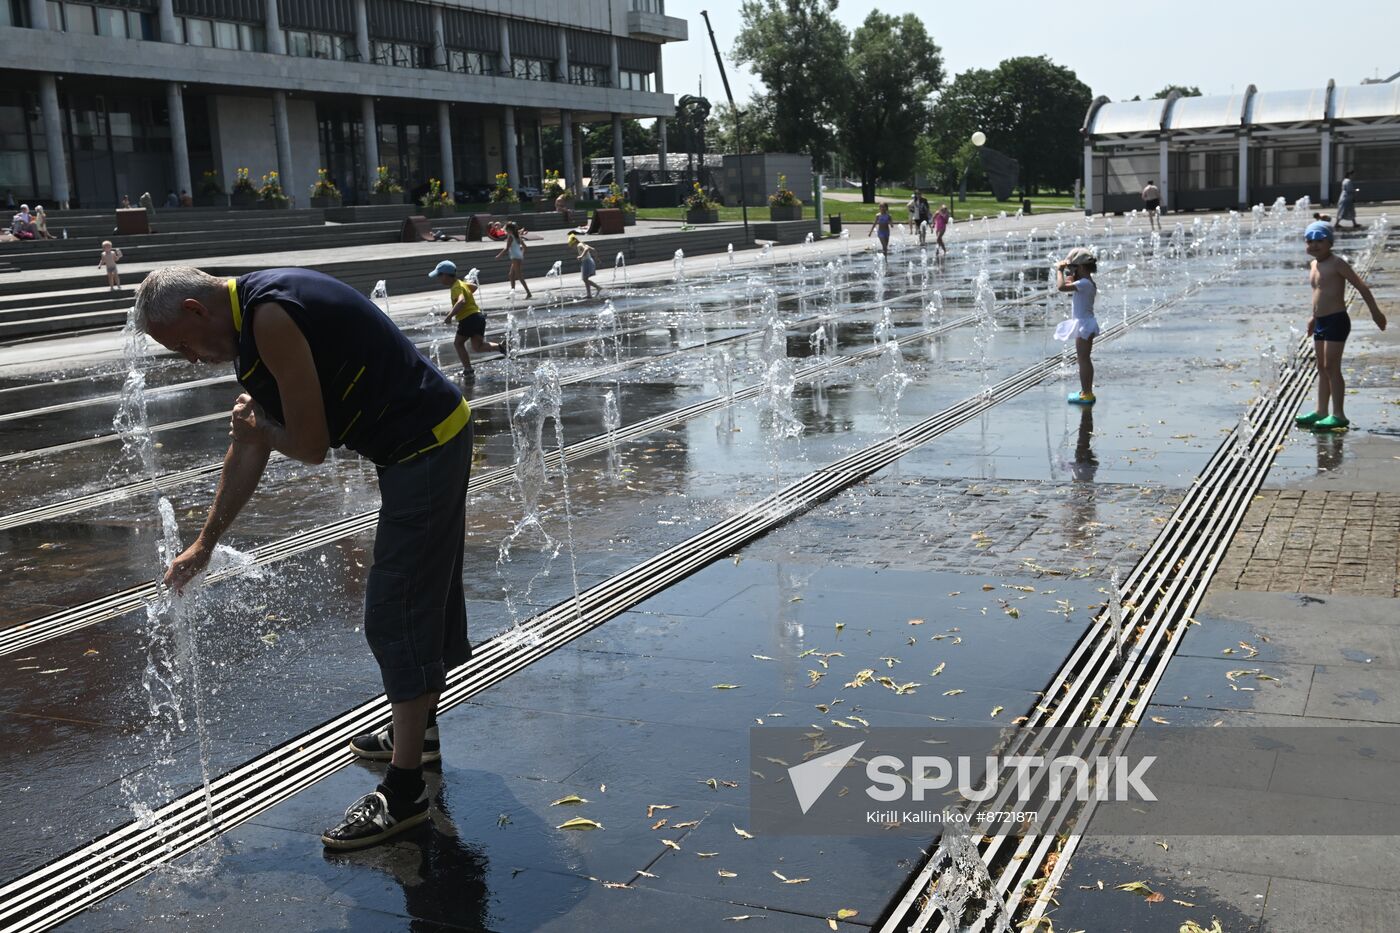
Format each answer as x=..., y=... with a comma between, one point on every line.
x=225, y=35
x=298, y=43
x=78, y=18
x=400, y=54
x=252, y=38
x=649, y=6
x=111, y=22
x=199, y=32
x=468, y=62
x=635, y=80
x=592, y=75
x=140, y=25
x=532, y=69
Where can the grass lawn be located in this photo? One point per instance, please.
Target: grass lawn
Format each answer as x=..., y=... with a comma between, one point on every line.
x=854, y=214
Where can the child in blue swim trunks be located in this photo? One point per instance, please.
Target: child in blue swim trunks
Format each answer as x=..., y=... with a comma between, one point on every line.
x=1330, y=324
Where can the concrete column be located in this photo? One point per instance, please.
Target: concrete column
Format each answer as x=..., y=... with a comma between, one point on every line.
x=371, y=129
x=439, y=38
x=1325, y=168
x=1088, y=181
x=179, y=143
x=53, y=138
x=362, y=33
x=449, y=171
x=169, y=29
x=566, y=134
x=1243, y=179
x=619, y=166
x=505, y=52
x=564, y=55
x=661, y=124
x=1163, y=172
x=508, y=145
x=38, y=14
x=272, y=22
x=578, y=152
x=614, y=70
x=284, y=142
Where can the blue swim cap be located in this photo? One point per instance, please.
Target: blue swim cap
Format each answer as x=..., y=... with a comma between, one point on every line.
x=1317, y=230
x=446, y=267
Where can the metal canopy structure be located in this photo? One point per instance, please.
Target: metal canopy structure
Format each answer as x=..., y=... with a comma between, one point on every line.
x=1235, y=150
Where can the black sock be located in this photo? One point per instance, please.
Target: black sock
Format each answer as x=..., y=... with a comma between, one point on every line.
x=403, y=785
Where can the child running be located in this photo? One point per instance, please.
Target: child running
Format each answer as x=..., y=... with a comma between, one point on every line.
x=471, y=322
x=1330, y=324
x=940, y=224
x=1074, y=274
x=108, y=260
x=883, y=221
x=587, y=265
x=515, y=249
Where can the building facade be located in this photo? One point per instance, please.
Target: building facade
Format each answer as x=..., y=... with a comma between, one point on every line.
x=1237, y=150
x=116, y=97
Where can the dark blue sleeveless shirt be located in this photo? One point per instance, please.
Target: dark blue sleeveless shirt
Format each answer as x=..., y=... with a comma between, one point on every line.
x=383, y=399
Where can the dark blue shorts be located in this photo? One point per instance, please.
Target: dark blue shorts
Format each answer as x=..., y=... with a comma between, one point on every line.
x=415, y=610
x=1333, y=327
x=473, y=325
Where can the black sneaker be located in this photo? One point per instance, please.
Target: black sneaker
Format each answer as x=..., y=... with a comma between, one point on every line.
x=368, y=821
x=379, y=746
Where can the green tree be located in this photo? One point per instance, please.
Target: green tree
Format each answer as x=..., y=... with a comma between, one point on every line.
x=894, y=68
x=1186, y=91
x=798, y=50
x=1029, y=107
x=971, y=102
x=750, y=129
x=598, y=140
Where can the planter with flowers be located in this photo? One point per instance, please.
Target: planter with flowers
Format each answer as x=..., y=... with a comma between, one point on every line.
x=436, y=201
x=504, y=200
x=783, y=204
x=615, y=198
x=211, y=191
x=385, y=189
x=551, y=191
x=699, y=209
x=244, y=194
x=270, y=194
x=324, y=193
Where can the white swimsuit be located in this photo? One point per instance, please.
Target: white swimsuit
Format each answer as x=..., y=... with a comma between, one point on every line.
x=1082, y=308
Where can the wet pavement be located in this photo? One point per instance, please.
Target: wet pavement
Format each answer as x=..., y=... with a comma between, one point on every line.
x=1030, y=505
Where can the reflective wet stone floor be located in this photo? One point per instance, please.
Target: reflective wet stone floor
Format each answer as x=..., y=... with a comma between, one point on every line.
x=1028, y=506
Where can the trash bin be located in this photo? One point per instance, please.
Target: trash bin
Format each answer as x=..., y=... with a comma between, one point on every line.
x=1026, y=206
x=834, y=222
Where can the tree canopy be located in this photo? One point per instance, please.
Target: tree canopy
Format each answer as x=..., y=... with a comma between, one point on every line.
x=1186, y=91
x=798, y=49
x=1029, y=107
x=894, y=68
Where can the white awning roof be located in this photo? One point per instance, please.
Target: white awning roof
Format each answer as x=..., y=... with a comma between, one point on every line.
x=1366, y=101
x=1128, y=116
x=1206, y=113
x=1277, y=107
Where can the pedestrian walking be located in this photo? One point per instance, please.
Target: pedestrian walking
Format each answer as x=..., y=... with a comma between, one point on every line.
x=1346, y=204
x=1152, y=203
x=940, y=225
x=515, y=250
x=108, y=260
x=881, y=227
x=471, y=321
x=587, y=265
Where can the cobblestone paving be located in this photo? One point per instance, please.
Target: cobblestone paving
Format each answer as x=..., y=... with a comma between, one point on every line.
x=978, y=526
x=1317, y=541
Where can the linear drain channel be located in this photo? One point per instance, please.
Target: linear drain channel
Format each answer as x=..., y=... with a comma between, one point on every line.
x=1110, y=673
x=89, y=873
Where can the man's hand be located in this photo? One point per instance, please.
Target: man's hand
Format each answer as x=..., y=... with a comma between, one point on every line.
x=1312, y=323
x=1379, y=319
x=245, y=422
x=188, y=565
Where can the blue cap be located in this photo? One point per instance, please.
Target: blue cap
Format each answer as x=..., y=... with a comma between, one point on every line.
x=1318, y=230
x=446, y=267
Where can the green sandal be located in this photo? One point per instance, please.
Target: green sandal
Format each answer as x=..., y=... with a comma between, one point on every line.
x=1308, y=420
x=1331, y=423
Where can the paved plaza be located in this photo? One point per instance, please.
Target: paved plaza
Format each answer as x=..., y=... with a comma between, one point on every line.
x=743, y=526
